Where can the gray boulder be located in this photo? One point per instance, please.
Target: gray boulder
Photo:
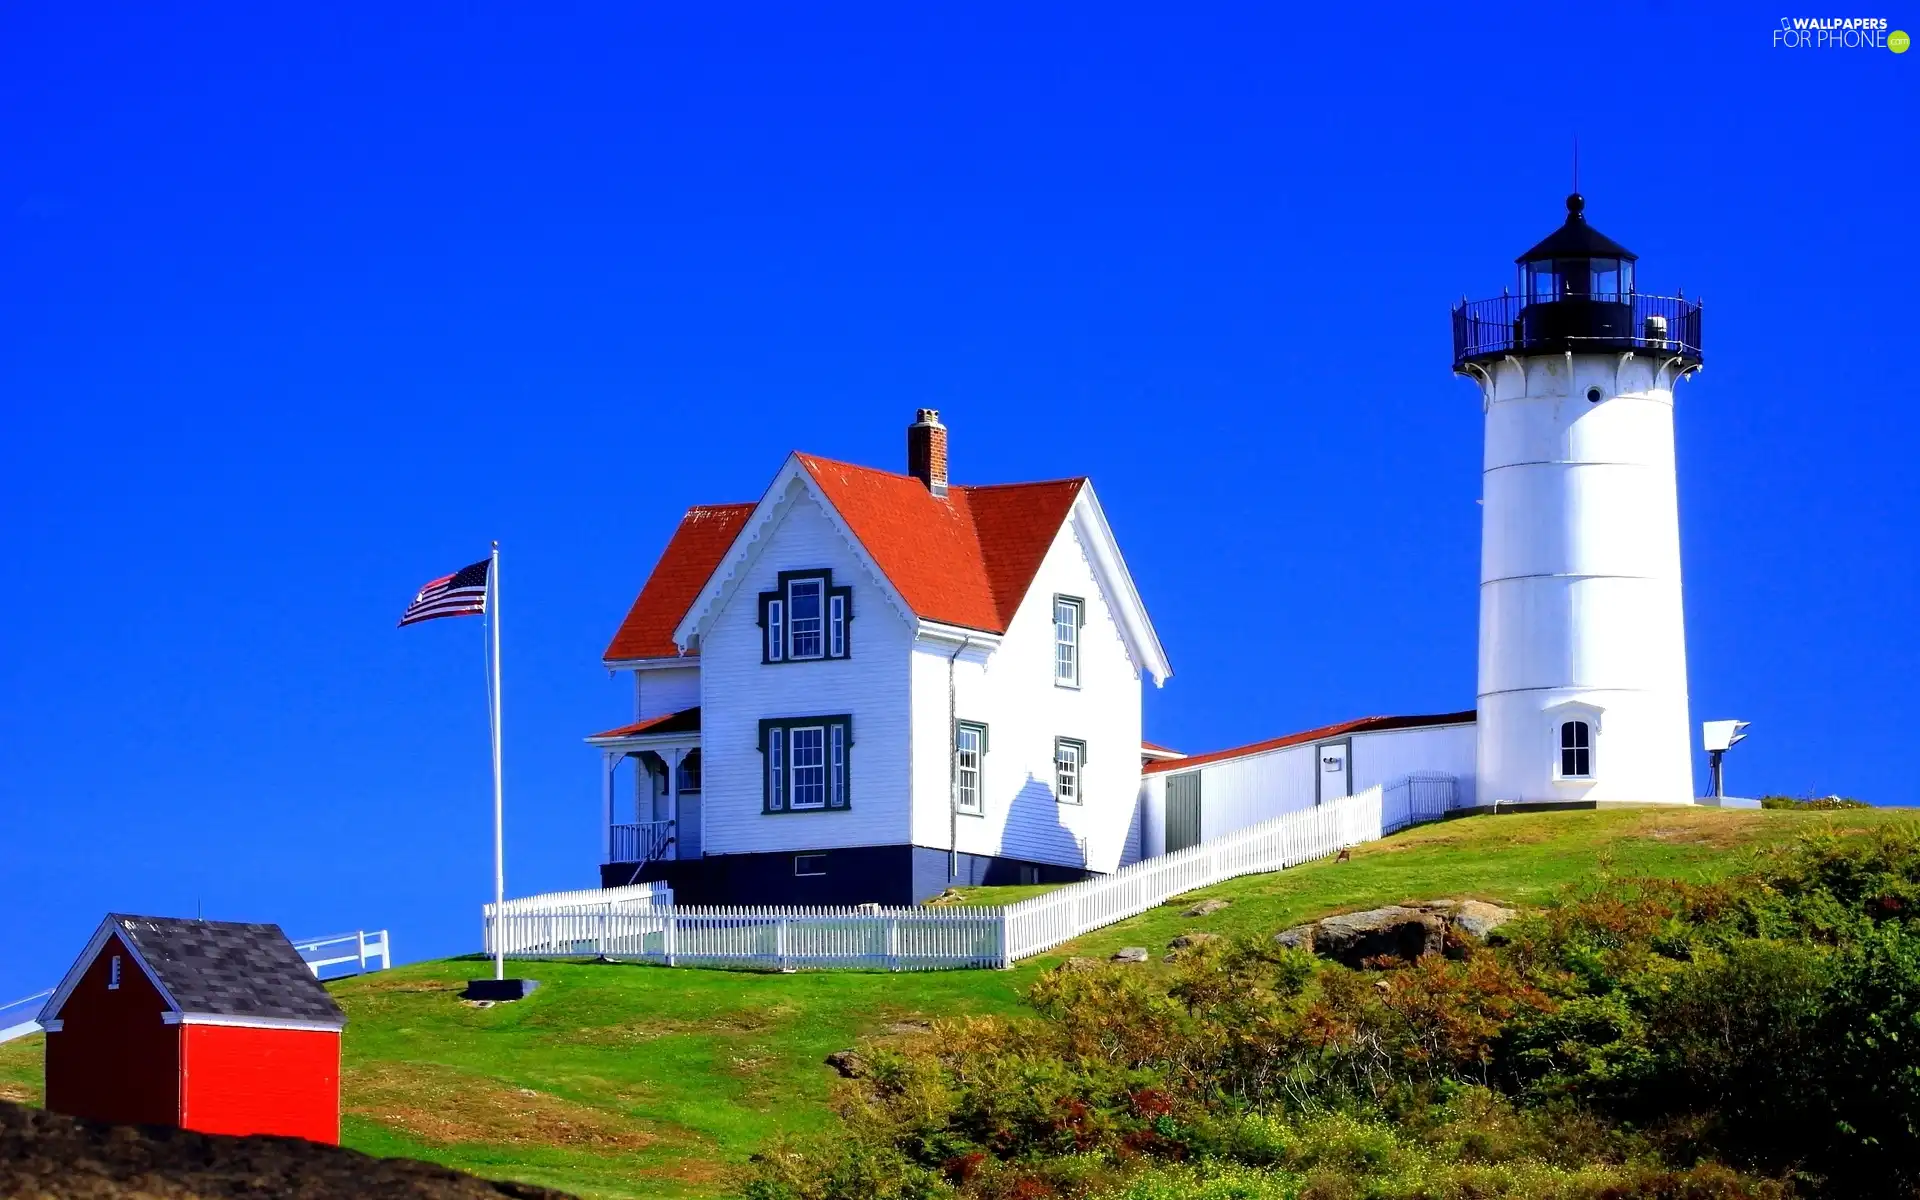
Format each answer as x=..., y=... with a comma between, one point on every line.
x=1391, y=932
x=1477, y=918
x=1402, y=931
x=1206, y=908
x=1130, y=954
x=1300, y=937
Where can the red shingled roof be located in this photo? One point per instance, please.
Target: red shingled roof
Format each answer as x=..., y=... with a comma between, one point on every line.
x=695, y=550
x=687, y=720
x=965, y=560
x=1363, y=725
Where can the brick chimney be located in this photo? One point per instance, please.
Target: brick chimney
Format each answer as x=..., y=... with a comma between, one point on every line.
x=927, y=450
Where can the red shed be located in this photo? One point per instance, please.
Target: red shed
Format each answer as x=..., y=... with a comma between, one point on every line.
x=208, y=1025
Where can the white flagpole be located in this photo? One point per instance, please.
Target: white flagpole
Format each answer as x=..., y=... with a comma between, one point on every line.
x=499, y=839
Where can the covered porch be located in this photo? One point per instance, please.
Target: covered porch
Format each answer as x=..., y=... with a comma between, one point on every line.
x=653, y=815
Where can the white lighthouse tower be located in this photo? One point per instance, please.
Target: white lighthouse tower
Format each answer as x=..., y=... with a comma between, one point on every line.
x=1583, y=658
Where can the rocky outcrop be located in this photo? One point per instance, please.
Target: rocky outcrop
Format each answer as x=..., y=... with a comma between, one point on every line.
x=1478, y=919
x=1402, y=932
x=848, y=1063
x=1187, y=942
x=1206, y=908
x=1391, y=932
x=51, y=1157
x=1130, y=954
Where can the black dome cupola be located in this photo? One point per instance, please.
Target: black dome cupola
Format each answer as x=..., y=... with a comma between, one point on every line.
x=1576, y=293
x=1577, y=239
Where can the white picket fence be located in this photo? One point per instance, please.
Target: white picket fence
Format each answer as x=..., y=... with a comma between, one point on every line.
x=1421, y=796
x=896, y=939
x=642, y=923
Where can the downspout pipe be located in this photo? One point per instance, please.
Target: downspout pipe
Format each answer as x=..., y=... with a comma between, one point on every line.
x=953, y=768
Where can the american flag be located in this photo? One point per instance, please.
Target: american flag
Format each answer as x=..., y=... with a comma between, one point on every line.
x=461, y=594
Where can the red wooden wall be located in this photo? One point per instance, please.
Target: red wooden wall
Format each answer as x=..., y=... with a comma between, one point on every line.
x=238, y=1080
x=113, y=1058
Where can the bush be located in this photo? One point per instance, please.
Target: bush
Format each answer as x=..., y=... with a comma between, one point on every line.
x=1638, y=1038
x=1813, y=803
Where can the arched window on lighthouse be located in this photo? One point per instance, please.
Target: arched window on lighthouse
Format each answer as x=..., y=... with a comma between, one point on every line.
x=1576, y=750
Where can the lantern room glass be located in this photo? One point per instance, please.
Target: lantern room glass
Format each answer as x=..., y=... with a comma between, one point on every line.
x=1549, y=279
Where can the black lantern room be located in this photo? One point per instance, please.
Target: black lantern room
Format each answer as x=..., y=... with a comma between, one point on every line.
x=1576, y=294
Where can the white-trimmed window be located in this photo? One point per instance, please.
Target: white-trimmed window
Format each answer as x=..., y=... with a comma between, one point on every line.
x=1069, y=614
x=1576, y=750
x=113, y=974
x=806, y=613
x=807, y=763
x=809, y=864
x=806, y=618
x=1069, y=770
x=809, y=767
x=969, y=766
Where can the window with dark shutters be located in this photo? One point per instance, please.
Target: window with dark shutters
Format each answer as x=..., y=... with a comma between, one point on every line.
x=806, y=618
x=807, y=764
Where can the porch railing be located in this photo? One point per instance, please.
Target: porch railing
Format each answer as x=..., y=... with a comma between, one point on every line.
x=635, y=923
x=639, y=841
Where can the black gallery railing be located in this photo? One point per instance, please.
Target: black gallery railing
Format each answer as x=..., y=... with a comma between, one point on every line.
x=1598, y=322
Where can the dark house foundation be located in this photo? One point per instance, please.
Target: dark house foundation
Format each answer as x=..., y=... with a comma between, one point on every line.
x=892, y=875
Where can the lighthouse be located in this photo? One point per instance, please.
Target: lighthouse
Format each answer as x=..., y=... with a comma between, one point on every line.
x=1582, y=692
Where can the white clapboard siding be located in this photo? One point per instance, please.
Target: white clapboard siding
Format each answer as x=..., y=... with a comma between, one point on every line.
x=870, y=685
x=641, y=923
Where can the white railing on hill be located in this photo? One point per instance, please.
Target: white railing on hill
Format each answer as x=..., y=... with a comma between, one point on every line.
x=641, y=922
x=357, y=948
x=21, y=1017
x=1421, y=796
x=1273, y=845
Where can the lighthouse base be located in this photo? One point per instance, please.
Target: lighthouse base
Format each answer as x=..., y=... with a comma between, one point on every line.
x=1508, y=808
x=1587, y=746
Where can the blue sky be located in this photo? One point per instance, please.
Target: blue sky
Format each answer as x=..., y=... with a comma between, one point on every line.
x=303, y=307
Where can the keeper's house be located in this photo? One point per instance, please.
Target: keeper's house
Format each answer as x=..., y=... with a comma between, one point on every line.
x=868, y=686
x=207, y=1025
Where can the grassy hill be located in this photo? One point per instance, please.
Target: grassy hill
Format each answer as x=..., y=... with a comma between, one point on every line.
x=618, y=1080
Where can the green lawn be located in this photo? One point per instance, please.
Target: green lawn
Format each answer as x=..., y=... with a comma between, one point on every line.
x=620, y=1080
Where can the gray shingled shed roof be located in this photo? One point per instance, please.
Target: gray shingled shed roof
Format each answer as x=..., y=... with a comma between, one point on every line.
x=229, y=969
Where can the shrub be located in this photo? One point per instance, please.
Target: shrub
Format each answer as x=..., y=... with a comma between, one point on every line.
x=1813, y=803
x=1636, y=1039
